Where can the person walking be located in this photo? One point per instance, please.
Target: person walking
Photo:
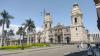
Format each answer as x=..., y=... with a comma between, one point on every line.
x=88, y=45
x=97, y=50
x=90, y=51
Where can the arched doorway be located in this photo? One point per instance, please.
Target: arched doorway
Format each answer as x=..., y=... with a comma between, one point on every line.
x=51, y=40
x=39, y=40
x=68, y=40
x=59, y=39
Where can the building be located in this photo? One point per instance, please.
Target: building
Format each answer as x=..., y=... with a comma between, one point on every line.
x=74, y=33
x=60, y=34
x=94, y=38
x=47, y=25
x=77, y=27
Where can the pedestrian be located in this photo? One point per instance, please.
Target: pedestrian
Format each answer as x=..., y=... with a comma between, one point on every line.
x=88, y=45
x=90, y=51
x=78, y=46
x=97, y=50
x=81, y=45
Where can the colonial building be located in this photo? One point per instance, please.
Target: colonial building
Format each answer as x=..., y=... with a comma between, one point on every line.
x=47, y=25
x=60, y=34
x=78, y=31
x=94, y=38
x=65, y=34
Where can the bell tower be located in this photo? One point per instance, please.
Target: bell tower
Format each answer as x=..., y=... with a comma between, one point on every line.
x=77, y=27
x=47, y=21
x=76, y=16
x=47, y=25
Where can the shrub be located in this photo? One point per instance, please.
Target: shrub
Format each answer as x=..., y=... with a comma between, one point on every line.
x=25, y=46
x=40, y=45
x=10, y=47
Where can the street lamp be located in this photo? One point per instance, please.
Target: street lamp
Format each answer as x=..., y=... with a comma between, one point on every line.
x=97, y=3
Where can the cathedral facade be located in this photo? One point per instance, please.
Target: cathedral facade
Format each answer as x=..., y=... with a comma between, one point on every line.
x=74, y=33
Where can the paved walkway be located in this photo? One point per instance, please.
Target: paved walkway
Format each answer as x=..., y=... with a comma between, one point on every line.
x=6, y=52
x=45, y=51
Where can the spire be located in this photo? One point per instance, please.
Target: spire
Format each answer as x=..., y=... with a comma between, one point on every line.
x=75, y=4
x=45, y=12
x=76, y=9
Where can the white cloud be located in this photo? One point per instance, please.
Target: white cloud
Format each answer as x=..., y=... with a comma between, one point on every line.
x=39, y=29
x=15, y=28
x=12, y=26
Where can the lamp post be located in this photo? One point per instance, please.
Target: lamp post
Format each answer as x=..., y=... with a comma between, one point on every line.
x=97, y=3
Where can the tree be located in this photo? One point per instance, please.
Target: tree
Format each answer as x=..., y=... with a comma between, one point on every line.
x=5, y=34
x=4, y=21
x=19, y=32
x=30, y=27
x=9, y=34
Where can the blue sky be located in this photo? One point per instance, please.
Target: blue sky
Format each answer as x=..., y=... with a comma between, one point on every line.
x=60, y=10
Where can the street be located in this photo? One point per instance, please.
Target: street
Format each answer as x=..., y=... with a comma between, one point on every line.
x=59, y=51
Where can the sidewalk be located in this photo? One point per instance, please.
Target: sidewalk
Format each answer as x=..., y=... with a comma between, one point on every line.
x=7, y=52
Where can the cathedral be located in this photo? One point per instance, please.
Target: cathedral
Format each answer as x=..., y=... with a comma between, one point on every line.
x=74, y=33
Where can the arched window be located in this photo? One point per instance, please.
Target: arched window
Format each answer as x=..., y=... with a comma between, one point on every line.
x=50, y=25
x=45, y=25
x=75, y=20
x=76, y=29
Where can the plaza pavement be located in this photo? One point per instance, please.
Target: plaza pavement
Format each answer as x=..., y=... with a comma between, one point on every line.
x=59, y=50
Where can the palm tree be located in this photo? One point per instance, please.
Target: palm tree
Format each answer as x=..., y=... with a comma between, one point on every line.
x=19, y=32
x=9, y=34
x=30, y=27
x=4, y=21
x=5, y=34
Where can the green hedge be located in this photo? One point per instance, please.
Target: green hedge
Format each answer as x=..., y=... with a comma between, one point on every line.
x=40, y=45
x=25, y=46
x=10, y=47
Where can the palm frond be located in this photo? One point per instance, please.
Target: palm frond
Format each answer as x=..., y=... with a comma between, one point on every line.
x=6, y=18
x=7, y=23
x=29, y=25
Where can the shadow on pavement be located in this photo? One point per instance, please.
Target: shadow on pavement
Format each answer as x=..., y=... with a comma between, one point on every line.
x=81, y=53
